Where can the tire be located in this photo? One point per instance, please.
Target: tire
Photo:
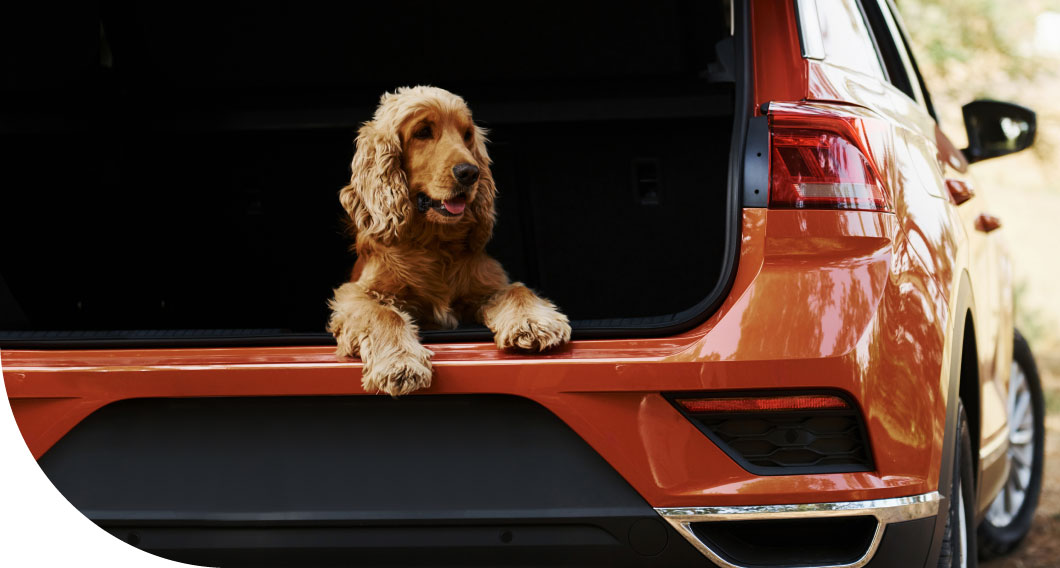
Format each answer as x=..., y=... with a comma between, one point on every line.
x=1006, y=523
x=959, y=539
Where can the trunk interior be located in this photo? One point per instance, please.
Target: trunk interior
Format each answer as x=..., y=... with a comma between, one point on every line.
x=173, y=172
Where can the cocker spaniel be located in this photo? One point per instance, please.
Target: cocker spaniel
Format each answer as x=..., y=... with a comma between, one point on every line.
x=421, y=204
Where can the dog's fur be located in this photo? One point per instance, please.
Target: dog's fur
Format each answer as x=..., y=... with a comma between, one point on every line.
x=428, y=267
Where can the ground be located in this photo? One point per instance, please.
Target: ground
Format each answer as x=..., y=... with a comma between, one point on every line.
x=1042, y=547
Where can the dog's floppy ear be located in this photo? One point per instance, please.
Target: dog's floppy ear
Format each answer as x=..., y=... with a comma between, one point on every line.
x=377, y=196
x=482, y=206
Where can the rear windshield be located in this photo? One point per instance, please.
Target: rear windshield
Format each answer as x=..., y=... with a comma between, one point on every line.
x=172, y=172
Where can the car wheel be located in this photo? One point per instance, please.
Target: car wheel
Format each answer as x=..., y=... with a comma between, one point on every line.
x=958, y=544
x=1009, y=517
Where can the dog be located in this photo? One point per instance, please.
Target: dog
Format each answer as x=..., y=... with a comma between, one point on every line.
x=421, y=206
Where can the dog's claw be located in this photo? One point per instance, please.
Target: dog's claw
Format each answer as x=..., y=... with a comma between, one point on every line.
x=346, y=344
x=536, y=334
x=399, y=373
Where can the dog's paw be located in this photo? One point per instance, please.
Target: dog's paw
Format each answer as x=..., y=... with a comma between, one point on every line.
x=399, y=372
x=347, y=343
x=539, y=331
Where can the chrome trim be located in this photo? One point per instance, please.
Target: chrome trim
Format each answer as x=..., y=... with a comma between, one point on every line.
x=809, y=29
x=886, y=511
x=732, y=18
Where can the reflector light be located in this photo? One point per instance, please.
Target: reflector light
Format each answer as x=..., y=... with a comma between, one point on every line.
x=763, y=404
x=820, y=162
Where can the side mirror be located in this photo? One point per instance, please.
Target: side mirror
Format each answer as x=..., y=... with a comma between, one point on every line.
x=996, y=128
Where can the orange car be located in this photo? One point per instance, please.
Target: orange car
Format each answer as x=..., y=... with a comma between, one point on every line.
x=793, y=335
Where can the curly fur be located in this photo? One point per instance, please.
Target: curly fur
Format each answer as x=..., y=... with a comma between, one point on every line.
x=425, y=267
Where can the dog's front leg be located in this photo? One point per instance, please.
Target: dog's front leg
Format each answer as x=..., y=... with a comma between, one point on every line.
x=385, y=338
x=521, y=319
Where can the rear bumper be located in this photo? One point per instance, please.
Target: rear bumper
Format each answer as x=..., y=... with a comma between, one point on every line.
x=850, y=317
x=855, y=314
x=902, y=535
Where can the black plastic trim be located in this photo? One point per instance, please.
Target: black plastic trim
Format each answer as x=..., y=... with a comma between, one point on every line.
x=949, y=443
x=756, y=163
x=118, y=339
x=809, y=541
x=905, y=545
x=307, y=481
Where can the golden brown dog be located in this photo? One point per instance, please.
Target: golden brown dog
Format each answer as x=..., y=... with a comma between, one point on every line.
x=421, y=204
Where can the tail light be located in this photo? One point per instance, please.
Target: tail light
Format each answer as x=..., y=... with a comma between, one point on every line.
x=769, y=403
x=821, y=160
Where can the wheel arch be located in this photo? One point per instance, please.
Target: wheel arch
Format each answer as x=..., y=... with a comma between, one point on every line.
x=969, y=389
x=960, y=378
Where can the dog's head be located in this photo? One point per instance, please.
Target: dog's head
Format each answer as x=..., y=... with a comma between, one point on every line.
x=420, y=158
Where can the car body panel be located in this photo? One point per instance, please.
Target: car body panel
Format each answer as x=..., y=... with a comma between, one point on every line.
x=942, y=232
x=608, y=391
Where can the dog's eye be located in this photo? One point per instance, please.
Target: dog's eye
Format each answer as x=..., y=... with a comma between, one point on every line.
x=424, y=132
x=467, y=135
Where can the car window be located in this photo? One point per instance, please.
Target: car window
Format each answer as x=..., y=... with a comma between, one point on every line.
x=903, y=43
x=892, y=51
x=847, y=41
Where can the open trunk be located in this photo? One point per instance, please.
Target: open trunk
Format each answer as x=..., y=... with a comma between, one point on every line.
x=172, y=173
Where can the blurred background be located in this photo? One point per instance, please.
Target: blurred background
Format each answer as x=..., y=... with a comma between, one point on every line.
x=1010, y=50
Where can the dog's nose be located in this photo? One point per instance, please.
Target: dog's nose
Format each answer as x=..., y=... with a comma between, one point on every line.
x=465, y=173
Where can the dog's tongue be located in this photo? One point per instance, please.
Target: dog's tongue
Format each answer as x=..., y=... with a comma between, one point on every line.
x=454, y=206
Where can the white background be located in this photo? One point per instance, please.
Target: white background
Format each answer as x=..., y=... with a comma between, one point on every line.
x=39, y=528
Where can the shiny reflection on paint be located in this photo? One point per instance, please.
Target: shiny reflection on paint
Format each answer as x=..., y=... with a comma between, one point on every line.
x=822, y=483
x=832, y=83
x=822, y=275
x=839, y=300
x=860, y=299
x=900, y=358
x=904, y=355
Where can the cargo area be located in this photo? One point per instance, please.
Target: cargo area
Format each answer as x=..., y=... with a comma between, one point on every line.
x=172, y=170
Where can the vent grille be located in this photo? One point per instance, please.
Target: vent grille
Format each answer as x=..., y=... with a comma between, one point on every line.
x=790, y=441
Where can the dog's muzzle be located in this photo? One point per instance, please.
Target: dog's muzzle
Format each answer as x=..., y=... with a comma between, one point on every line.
x=423, y=202
x=451, y=207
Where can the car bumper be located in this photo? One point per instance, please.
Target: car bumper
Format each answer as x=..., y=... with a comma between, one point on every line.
x=901, y=537
x=859, y=314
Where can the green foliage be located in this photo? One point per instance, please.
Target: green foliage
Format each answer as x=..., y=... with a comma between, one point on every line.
x=1052, y=404
x=1035, y=328
x=982, y=49
x=986, y=34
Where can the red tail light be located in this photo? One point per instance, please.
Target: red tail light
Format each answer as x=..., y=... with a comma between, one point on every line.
x=769, y=403
x=820, y=160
